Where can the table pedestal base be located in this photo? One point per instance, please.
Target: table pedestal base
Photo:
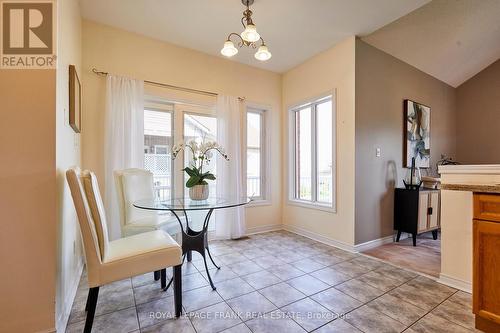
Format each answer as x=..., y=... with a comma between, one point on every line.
x=196, y=241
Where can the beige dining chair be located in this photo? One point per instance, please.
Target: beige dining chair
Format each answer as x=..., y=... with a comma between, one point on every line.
x=109, y=261
x=137, y=184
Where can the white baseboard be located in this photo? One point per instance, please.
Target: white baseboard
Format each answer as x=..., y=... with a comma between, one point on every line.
x=373, y=243
x=344, y=246
x=62, y=320
x=378, y=242
x=264, y=228
x=319, y=238
x=455, y=283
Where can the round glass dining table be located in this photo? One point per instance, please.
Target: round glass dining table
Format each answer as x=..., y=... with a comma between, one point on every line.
x=193, y=240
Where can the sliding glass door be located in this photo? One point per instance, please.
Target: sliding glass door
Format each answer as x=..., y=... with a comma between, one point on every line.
x=201, y=128
x=158, y=141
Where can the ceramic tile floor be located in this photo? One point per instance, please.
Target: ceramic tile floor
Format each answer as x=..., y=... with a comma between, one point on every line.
x=277, y=282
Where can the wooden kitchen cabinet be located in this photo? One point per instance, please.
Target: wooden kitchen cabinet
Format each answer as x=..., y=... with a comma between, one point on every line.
x=416, y=212
x=486, y=262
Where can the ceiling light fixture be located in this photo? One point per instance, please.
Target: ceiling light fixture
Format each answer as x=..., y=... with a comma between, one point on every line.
x=249, y=37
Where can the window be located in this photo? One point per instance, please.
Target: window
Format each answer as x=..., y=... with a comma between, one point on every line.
x=311, y=153
x=158, y=147
x=201, y=128
x=256, y=158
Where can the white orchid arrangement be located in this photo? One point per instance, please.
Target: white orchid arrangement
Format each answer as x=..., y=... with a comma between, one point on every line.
x=202, y=155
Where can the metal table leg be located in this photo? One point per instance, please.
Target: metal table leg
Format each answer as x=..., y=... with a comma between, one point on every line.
x=196, y=241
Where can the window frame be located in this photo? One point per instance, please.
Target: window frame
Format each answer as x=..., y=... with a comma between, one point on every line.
x=292, y=197
x=265, y=184
x=178, y=110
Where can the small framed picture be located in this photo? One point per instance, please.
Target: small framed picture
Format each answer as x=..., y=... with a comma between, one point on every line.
x=75, y=100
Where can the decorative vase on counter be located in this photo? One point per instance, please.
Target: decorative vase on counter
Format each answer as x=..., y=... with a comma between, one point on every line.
x=199, y=192
x=413, y=178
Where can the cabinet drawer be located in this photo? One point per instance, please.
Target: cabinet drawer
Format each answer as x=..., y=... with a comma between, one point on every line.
x=423, y=212
x=487, y=207
x=435, y=210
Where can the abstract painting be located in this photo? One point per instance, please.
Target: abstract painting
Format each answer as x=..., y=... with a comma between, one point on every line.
x=417, y=141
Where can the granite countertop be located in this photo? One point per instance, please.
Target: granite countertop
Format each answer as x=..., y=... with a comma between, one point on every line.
x=483, y=188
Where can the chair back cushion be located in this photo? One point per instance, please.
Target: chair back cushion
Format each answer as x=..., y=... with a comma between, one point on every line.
x=96, y=205
x=134, y=185
x=119, y=194
x=87, y=225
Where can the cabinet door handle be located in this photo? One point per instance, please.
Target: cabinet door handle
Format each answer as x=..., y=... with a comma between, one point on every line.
x=429, y=211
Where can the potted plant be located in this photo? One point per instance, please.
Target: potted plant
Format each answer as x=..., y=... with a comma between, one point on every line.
x=202, y=155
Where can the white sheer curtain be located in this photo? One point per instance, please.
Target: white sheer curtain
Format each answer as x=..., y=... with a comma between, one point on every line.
x=124, y=138
x=230, y=223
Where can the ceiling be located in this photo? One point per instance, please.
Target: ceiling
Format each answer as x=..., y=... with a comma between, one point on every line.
x=294, y=30
x=451, y=40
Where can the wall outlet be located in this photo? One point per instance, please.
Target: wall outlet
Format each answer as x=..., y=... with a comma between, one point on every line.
x=377, y=152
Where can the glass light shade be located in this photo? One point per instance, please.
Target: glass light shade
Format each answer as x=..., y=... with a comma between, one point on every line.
x=250, y=34
x=263, y=53
x=228, y=50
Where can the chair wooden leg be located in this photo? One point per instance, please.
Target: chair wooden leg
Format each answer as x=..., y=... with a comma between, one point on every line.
x=163, y=278
x=157, y=275
x=178, y=290
x=91, y=305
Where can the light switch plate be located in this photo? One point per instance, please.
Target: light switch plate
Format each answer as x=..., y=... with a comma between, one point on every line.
x=377, y=152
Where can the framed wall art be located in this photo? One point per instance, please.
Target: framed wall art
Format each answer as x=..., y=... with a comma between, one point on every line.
x=417, y=134
x=75, y=100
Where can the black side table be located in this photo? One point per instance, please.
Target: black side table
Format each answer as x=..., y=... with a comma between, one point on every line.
x=416, y=212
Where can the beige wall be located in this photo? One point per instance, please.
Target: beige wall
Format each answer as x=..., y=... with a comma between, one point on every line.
x=27, y=200
x=129, y=54
x=332, y=70
x=69, y=257
x=382, y=83
x=478, y=123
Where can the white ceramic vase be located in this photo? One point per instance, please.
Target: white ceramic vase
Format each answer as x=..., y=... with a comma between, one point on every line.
x=198, y=192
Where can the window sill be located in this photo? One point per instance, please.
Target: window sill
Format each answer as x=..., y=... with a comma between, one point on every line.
x=311, y=205
x=259, y=202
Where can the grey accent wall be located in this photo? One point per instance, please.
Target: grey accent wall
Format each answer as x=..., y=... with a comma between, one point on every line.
x=478, y=121
x=382, y=83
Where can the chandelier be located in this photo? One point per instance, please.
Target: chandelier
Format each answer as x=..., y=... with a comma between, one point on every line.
x=249, y=37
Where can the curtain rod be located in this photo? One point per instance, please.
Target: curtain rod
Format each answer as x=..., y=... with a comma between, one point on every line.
x=196, y=91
